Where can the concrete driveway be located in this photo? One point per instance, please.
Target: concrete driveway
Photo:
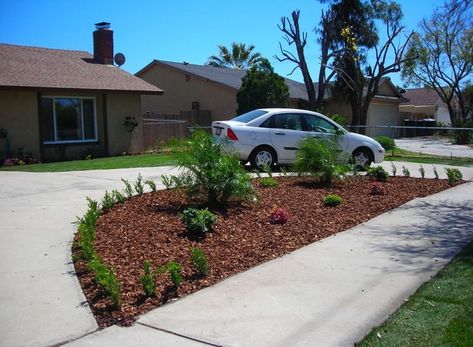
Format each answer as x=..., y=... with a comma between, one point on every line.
x=329, y=293
x=435, y=146
x=40, y=298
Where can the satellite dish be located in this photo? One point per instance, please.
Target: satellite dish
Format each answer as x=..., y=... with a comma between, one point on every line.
x=119, y=59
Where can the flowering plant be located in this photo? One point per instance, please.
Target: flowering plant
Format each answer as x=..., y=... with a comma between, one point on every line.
x=279, y=216
x=376, y=189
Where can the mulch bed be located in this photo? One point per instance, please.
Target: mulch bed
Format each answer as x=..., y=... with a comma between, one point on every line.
x=147, y=227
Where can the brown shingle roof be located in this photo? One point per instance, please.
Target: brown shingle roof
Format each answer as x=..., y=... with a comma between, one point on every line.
x=43, y=68
x=226, y=76
x=421, y=97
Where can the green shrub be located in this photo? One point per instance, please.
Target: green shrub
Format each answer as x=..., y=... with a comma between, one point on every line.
x=174, y=269
x=106, y=278
x=378, y=173
x=198, y=221
x=118, y=197
x=393, y=169
x=266, y=182
x=148, y=279
x=211, y=173
x=319, y=158
x=151, y=185
x=139, y=188
x=166, y=181
x=422, y=171
x=200, y=261
x=108, y=201
x=86, y=229
x=436, y=174
x=339, y=118
x=128, y=188
x=332, y=200
x=386, y=141
x=454, y=175
x=406, y=172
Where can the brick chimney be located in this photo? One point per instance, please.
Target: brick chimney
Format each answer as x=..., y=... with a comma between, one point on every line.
x=103, y=43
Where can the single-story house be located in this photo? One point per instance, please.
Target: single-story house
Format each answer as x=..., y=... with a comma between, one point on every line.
x=63, y=104
x=424, y=103
x=191, y=86
x=201, y=87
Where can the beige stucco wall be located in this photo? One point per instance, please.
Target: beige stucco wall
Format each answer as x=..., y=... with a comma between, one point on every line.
x=121, y=106
x=19, y=116
x=180, y=91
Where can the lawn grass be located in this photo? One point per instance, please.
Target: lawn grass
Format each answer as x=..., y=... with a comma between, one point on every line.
x=121, y=162
x=403, y=155
x=440, y=313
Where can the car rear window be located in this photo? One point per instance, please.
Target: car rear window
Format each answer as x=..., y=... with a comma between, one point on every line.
x=248, y=117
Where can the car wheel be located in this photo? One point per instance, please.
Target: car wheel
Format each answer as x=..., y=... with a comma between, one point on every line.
x=262, y=157
x=362, y=158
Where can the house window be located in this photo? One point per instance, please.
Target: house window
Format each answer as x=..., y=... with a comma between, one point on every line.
x=68, y=119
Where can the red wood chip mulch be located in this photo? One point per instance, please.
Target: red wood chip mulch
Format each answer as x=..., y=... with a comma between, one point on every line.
x=147, y=227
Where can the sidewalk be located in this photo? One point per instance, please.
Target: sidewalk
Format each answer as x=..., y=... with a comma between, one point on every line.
x=330, y=293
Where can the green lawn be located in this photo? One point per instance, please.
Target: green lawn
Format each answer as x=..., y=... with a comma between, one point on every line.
x=122, y=162
x=440, y=313
x=403, y=155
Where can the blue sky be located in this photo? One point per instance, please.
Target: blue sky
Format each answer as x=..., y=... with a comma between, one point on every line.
x=179, y=31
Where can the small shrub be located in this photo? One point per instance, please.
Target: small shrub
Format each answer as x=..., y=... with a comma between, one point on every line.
x=139, y=187
x=106, y=278
x=436, y=174
x=148, y=279
x=332, y=200
x=386, y=141
x=321, y=159
x=211, y=174
x=266, y=182
x=108, y=201
x=151, y=185
x=284, y=171
x=167, y=181
x=378, y=173
x=198, y=221
x=128, y=188
x=422, y=171
x=200, y=261
x=406, y=172
x=86, y=229
x=279, y=216
x=175, y=269
x=454, y=175
x=267, y=170
x=377, y=189
x=118, y=197
x=393, y=169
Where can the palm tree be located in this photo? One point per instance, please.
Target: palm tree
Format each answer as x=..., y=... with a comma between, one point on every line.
x=240, y=57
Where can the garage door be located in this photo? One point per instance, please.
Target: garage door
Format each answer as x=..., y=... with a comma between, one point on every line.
x=380, y=115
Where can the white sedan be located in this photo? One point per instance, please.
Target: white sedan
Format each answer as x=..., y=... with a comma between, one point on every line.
x=270, y=136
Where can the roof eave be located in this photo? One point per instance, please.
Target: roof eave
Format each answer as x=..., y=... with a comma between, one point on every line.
x=100, y=90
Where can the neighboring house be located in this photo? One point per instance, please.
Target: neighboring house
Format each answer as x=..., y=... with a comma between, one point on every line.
x=214, y=89
x=383, y=109
x=201, y=87
x=424, y=103
x=62, y=104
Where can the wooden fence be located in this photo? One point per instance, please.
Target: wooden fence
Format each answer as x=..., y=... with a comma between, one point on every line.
x=160, y=128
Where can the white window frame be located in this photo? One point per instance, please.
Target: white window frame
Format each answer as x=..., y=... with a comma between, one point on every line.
x=83, y=140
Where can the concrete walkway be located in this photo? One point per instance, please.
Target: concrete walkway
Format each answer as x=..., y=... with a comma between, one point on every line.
x=435, y=146
x=41, y=302
x=327, y=294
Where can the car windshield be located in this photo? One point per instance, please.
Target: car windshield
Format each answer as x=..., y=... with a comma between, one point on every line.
x=248, y=117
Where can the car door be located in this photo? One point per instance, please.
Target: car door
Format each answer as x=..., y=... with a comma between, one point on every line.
x=286, y=131
x=320, y=128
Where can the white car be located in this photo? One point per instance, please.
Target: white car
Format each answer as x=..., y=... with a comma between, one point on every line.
x=270, y=136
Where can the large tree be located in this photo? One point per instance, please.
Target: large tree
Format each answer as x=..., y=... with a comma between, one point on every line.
x=262, y=87
x=240, y=56
x=444, y=51
x=348, y=32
